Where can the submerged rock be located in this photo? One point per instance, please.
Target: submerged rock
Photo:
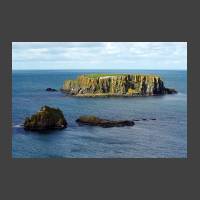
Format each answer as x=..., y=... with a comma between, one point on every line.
x=143, y=119
x=98, y=85
x=45, y=119
x=51, y=90
x=95, y=121
x=170, y=91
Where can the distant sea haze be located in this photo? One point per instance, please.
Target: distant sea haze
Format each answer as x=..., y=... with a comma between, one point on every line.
x=165, y=137
x=100, y=70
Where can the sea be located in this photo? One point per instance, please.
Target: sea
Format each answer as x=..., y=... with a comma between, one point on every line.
x=165, y=137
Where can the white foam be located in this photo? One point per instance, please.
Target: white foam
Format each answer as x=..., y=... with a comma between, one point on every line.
x=18, y=126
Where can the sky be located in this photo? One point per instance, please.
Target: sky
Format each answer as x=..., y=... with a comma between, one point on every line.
x=99, y=55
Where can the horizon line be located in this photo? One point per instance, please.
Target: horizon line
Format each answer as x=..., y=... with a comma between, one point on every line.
x=99, y=69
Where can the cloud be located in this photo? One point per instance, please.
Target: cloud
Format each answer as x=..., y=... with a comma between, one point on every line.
x=101, y=55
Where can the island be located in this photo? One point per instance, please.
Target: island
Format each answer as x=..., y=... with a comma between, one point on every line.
x=46, y=118
x=105, y=85
x=105, y=123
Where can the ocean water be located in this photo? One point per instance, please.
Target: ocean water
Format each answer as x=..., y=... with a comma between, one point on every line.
x=165, y=137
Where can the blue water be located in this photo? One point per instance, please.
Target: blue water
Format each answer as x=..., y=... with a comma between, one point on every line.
x=164, y=138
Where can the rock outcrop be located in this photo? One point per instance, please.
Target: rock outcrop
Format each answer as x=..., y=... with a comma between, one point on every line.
x=51, y=90
x=95, y=121
x=116, y=85
x=45, y=119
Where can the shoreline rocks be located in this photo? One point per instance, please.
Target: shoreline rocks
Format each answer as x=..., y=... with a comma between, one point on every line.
x=46, y=118
x=119, y=85
x=95, y=121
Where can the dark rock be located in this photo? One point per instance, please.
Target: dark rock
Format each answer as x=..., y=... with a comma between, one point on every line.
x=170, y=91
x=159, y=88
x=95, y=121
x=51, y=90
x=143, y=119
x=144, y=86
x=47, y=118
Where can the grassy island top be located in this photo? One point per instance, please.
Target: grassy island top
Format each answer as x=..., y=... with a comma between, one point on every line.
x=103, y=75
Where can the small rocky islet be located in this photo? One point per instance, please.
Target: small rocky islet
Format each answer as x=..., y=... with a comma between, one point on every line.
x=108, y=85
x=95, y=121
x=46, y=118
x=98, y=85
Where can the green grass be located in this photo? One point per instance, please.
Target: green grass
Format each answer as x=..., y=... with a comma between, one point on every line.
x=103, y=75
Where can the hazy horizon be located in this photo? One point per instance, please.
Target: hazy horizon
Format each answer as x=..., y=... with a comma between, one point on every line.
x=99, y=56
x=98, y=69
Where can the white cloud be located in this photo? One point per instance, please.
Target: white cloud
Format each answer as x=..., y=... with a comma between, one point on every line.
x=113, y=55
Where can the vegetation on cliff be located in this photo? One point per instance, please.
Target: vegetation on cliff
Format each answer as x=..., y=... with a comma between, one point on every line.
x=45, y=119
x=102, y=75
x=116, y=85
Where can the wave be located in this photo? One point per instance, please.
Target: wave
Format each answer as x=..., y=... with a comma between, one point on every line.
x=18, y=126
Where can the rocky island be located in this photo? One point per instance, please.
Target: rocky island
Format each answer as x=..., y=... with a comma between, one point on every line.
x=97, y=85
x=95, y=121
x=46, y=118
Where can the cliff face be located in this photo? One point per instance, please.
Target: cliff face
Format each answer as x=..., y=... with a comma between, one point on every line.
x=116, y=85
